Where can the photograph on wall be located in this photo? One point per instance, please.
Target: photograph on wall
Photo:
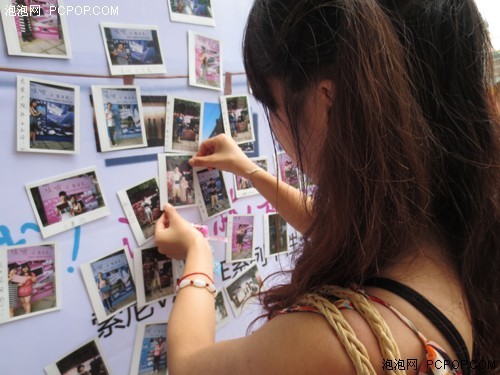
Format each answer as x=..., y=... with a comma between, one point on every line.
x=119, y=117
x=109, y=283
x=243, y=289
x=221, y=312
x=212, y=196
x=150, y=349
x=240, y=238
x=237, y=118
x=243, y=187
x=132, y=49
x=276, y=239
x=176, y=180
x=141, y=204
x=154, y=275
x=48, y=116
x=287, y=170
x=154, y=108
x=198, y=12
x=212, y=121
x=29, y=281
x=184, y=125
x=87, y=359
x=205, y=61
x=35, y=28
x=66, y=201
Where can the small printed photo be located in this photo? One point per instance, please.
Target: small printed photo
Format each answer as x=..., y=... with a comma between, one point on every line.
x=87, y=359
x=66, y=201
x=184, y=125
x=198, y=12
x=276, y=239
x=212, y=121
x=211, y=192
x=221, y=313
x=287, y=170
x=205, y=61
x=32, y=285
x=119, y=117
x=237, y=118
x=176, y=180
x=48, y=116
x=132, y=49
x=35, y=28
x=242, y=186
x=150, y=349
x=240, y=236
x=154, y=275
x=243, y=289
x=154, y=108
x=141, y=204
x=109, y=283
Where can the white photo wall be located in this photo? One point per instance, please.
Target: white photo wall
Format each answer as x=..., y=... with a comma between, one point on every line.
x=61, y=329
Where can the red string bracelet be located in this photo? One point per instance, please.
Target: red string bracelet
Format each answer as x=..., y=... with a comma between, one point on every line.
x=195, y=273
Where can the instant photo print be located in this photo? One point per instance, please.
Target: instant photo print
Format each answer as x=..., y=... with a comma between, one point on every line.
x=119, y=117
x=48, y=116
x=66, y=201
x=237, y=118
x=184, y=125
x=35, y=30
x=242, y=290
x=29, y=281
x=240, y=238
x=221, y=311
x=87, y=359
x=141, y=204
x=109, y=283
x=155, y=112
x=276, y=235
x=211, y=193
x=212, y=121
x=198, y=12
x=205, y=61
x=132, y=49
x=242, y=186
x=150, y=339
x=287, y=170
x=176, y=180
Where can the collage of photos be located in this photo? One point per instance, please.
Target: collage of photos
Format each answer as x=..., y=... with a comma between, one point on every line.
x=240, y=236
x=205, y=61
x=237, y=118
x=48, y=116
x=154, y=108
x=212, y=194
x=119, y=117
x=176, y=180
x=63, y=202
x=242, y=186
x=276, y=238
x=150, y=349
x=109, y=283
x=29, y=281
x=154, y=274
x=132, y=49
x=198, y=12
x=35, y=28
x=87, y=359
x=243, y=289
x=141, y=204
x=184, y=125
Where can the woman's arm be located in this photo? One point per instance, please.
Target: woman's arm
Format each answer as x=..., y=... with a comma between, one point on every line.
x=223, y=153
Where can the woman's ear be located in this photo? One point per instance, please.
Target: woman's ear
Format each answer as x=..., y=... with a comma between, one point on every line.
x=325, y=91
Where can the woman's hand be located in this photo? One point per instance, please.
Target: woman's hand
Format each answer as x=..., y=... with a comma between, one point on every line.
x=223, y=153
x=175, y=236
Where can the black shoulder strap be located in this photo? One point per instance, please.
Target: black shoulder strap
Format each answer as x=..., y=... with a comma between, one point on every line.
x=430, y=311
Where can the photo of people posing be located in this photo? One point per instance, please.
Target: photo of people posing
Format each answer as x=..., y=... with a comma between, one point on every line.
x=287, y=170
x=242, y=186
x=198, y=12
x=150, y=349
x=176, y=180
x=52, y=119
x=132, y=49
x=205, y=61
x=276, y=240
x=184, y=125
x=63, y=202
x=212, y=193
x=240, y=235
x=244, y=288
x=32, y=283
x=109, y=283
x=237, y=118
x=141, y=204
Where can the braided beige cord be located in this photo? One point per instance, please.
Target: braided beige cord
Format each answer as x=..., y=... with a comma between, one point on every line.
x=354, y=348
x=386, y=342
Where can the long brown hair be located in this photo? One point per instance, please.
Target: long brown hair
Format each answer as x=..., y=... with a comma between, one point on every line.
x=412, y=143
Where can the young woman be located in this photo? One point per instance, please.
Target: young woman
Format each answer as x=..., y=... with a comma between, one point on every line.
x=25, y=290
x=105, y=292
x=386, y=107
